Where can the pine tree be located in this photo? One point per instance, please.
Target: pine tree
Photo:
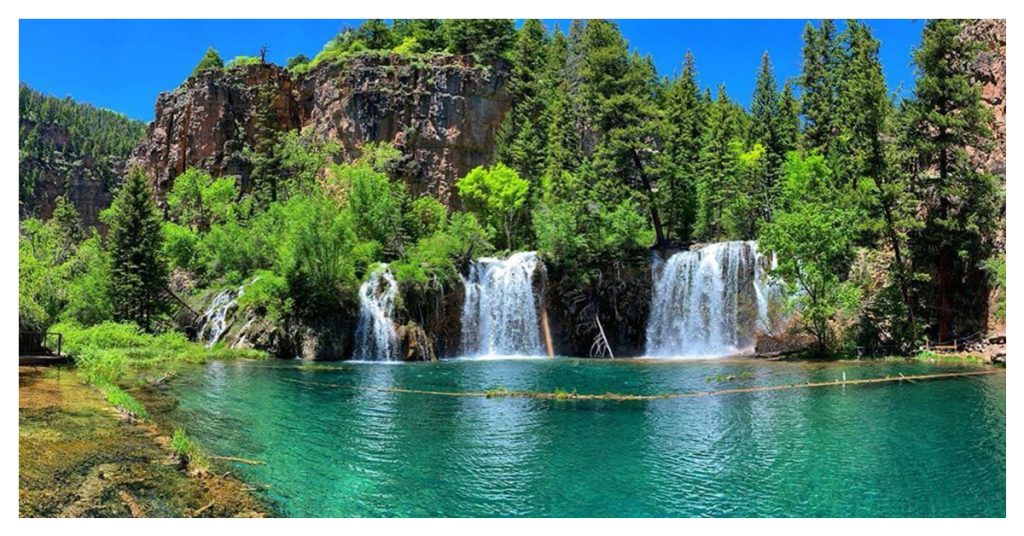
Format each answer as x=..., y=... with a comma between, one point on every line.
x=789, y=119
x=489, y=40
x=866, y=126
x=766, y=130
x=685, y=113
x=946, y=117
x=69, y=228
x=520, y=138
x=821, y=58
x=138, y=273
x=620, y=91
x=210, y=60
x=561, y=145
x=718, y=169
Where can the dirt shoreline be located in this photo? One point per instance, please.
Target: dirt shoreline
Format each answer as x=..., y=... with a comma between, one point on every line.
x=79, y=457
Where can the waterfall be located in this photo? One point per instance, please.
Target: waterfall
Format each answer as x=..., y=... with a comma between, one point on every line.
x=214, y=322
x=376, y=339
x=709, y=302
x=499, y=311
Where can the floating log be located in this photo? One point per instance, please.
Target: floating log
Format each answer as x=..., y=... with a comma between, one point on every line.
x=562, y=395
x=240, y=460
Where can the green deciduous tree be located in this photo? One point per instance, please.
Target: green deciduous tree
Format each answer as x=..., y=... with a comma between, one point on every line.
x=198, y=200
x=813, y=236
x=498, y=195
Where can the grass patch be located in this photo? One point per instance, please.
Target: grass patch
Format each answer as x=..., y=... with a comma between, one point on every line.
x=113, y=352
x=188, y=451
x=928, y=356
x=121, y=400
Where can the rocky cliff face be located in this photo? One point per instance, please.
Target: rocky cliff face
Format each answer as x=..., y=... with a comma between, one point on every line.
x=990, y=69
x=442, y=113
x=210, y=119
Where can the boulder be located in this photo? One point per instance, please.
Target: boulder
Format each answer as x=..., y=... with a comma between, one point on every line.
x=414, y=344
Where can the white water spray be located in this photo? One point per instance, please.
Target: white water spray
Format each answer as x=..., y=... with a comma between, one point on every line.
x=709, y=302
x=214, y=322
x=376, y=338
x=499, y=312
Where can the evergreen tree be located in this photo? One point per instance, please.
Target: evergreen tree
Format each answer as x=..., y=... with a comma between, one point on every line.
x=68, y=225
x=560, y=151
x=766, y=130
x=718, y=169
x=620, y=91
x=210, y=60
x=946, y=117
x=685, y=114
x=138, y=273
x=429, y=34
x=375, y=34
x=520, y=137
x=867, y=112
x=789, y=119
x=488, y=39
x=821, y=59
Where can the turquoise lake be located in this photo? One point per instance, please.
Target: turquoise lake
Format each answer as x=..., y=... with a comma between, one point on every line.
x=337, y=443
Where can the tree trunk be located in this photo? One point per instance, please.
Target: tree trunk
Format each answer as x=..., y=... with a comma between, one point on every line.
x=901, y=274
x=659, y=233
x=945, y=265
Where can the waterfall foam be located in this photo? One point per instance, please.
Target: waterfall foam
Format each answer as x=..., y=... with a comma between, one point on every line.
x=376, y=338
x=709, y=302
x=499, y=311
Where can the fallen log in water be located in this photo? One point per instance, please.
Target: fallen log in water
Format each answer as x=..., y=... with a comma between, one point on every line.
x=240, y=460
x=563, y=395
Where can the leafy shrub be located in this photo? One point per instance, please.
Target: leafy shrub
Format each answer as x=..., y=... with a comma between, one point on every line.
x=242, y=61
x=267, y=294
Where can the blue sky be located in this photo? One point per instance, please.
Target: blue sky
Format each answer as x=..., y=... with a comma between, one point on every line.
x=123, y=64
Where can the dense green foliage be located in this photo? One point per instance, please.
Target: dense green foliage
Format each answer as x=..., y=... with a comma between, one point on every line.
x=598, y=160
x=488, y=40
x=65, y=139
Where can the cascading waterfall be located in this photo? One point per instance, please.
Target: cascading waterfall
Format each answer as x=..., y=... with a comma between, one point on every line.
x=709, y=302
x=499, y=312
x=214, y=322
x=376, y=338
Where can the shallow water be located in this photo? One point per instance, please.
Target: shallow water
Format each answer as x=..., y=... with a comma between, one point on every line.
x=336, y=445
